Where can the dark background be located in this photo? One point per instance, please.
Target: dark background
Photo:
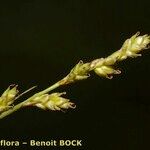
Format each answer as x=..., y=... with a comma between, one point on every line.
x=40, y=41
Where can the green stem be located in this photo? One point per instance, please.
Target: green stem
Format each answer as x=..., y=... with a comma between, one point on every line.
x=20, y=105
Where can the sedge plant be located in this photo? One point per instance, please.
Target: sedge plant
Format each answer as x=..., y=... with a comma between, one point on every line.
x=103, y=67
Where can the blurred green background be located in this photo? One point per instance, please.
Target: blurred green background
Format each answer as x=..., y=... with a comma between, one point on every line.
x=40, y=41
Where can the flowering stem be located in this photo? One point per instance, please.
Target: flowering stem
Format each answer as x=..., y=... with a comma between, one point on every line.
x=13, y=109
x=20, y=105
x=102, y=67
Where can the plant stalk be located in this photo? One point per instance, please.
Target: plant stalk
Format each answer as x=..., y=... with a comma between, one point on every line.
x=20, y=105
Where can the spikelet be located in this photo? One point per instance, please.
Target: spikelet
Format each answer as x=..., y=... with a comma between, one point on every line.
x=79, y=72
x=52, y=102
x=131, y=48
x=8, y=97
x=134, y=45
